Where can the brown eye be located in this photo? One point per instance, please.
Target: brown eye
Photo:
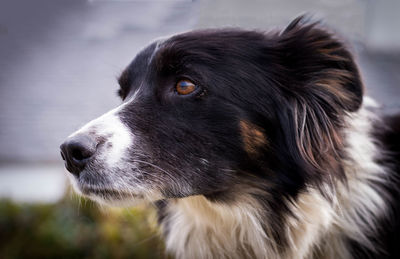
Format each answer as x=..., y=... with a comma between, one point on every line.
x=185, y=87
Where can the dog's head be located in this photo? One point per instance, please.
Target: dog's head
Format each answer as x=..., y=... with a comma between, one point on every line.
x=207, y=112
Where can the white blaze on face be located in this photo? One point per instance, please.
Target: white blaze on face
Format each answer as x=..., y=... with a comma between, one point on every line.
x=117, y=134
x=112, y=133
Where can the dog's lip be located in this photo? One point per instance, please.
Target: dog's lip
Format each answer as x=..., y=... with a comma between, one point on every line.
x=107, y=192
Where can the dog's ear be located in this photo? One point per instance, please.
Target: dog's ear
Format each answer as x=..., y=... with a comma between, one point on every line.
x=321, y=64
x=323, y=84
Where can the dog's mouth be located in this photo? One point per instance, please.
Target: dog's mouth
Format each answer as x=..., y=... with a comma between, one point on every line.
x=112, y=194
x=108, y=193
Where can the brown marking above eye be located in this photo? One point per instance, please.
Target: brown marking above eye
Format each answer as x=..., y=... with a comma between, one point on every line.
x=184, y=87
x=253, y=137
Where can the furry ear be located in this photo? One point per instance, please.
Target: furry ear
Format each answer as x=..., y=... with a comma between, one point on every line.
x=322, y=64
x=323, y=85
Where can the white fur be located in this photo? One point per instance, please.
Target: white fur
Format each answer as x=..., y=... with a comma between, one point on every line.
x=360, y=203
x=116, y=141
x=201, y=229
x=110, y=127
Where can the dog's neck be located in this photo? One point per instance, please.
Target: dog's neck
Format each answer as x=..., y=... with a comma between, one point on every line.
x=199, y=228
x=203, y=229
x=317, y=227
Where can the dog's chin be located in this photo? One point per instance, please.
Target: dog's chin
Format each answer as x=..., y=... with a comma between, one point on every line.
x=110, y=196
x=117, y=201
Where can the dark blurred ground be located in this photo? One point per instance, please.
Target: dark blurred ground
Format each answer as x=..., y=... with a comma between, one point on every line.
x=75, y=228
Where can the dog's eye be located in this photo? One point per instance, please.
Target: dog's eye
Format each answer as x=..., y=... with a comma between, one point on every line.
x=185, y=87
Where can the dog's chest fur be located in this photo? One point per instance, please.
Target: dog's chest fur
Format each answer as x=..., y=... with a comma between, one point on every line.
x=317, y=227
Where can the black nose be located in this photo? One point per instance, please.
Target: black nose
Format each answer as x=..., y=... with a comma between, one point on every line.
x=77, y=151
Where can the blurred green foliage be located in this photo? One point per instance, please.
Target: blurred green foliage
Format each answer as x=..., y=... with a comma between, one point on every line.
x=77, y=228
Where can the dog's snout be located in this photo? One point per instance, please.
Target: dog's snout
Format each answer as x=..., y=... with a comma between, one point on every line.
x=77, y=151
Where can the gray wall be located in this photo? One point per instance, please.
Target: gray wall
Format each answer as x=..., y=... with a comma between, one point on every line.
x=59, y=59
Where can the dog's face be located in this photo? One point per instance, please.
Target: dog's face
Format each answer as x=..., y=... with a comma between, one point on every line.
x=208, y=112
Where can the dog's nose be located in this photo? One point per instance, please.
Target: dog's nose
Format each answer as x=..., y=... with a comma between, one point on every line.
x=77, y=151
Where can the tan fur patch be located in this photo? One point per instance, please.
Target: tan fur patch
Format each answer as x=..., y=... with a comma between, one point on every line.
x=253, y=137
x=334, y=80
x=203, y=229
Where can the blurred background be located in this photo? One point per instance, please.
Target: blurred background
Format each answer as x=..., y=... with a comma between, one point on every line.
x=59, y=61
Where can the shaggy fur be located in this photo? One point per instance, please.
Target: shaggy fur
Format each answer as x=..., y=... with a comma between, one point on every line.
x=317, y=226
x=274, y=153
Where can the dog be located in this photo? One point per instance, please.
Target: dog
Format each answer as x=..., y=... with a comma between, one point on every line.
x=250, y=144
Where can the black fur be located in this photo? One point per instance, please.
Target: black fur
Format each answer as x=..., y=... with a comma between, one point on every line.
x=267, y=117
x=388, y=237
x=271, y=80
x=295, y=85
